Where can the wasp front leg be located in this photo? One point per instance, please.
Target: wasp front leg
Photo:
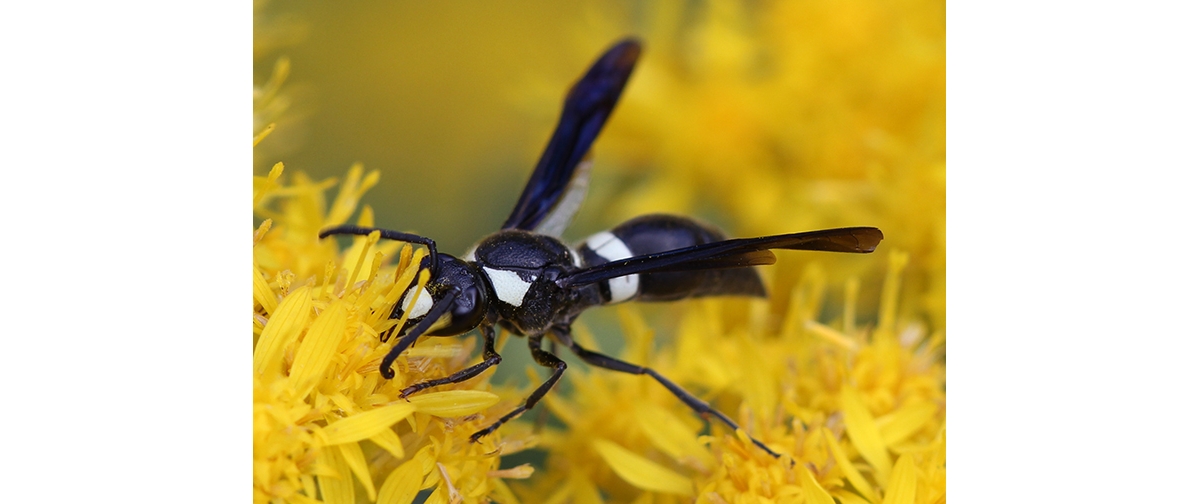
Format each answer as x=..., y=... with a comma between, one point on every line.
x=490, y=358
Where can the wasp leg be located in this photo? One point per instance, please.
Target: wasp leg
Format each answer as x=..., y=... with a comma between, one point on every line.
x=604, y=361
x=490, y=358
x=543, y=358
x=543, y=415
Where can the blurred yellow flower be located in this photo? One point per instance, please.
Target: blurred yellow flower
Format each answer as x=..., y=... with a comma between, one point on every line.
x=785, y=116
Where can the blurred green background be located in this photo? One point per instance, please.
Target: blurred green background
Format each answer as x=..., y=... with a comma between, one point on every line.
x=453, y=102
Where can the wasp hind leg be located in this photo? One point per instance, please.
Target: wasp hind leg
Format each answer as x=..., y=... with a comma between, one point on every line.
x=543, y=358
x=700, y=407
x=490, y=358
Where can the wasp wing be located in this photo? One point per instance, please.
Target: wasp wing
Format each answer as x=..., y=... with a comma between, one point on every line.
x=554, y=185
x=560, y=215
x=736, y=253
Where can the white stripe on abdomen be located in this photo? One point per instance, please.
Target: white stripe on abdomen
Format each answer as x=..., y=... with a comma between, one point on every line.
x=608, y=246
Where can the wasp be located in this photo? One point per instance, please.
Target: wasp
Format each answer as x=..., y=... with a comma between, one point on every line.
x=526, y=280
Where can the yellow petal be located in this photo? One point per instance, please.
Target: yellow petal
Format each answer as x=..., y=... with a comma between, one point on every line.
x=353, y=455
x=454, y=403
x=389, y=441
x=260, y=136
x=813, y=492
x=403, y=484
x=392, y=298
x=848, y=468
x=670, y=434
x=361, y=249
x=522, y=471
x=907, y=421
x=641, y=472
x=863, y=432
x=349, y=194
x=902, y=486
x=263, y=294
x=422, y=279
x=368, y=423
x=438, y=350
x=756, y=383
x=891, y=292
x=502, y=494
x=847, y=497
x=583, y=491
x=318, y=347
x=283, y=328
x=309, y=482
x=440, y=495
x=831, y=335
x=268, y=183
x=338, y=488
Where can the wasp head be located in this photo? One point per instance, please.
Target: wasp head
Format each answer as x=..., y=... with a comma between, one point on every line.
x=456, y=279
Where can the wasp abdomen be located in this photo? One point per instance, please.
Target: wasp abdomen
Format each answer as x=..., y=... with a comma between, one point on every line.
x=651, y=234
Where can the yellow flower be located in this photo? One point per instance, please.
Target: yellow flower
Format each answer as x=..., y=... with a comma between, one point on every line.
x=858, y=414
x=324, y=418
x=861, y=413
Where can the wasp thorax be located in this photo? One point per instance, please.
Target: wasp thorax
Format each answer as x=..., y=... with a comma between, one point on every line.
x=521, y=268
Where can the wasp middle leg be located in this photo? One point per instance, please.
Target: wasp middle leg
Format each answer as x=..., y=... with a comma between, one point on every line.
x=543, y=358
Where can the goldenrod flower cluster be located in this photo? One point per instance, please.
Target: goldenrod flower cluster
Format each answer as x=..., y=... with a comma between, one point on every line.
x=858, y=413
x=327, y=427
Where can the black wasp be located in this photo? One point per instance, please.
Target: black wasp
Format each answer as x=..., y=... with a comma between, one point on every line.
x=526, y=280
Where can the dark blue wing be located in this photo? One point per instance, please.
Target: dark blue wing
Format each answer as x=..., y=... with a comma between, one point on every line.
x=734, y=253
x=585, y=110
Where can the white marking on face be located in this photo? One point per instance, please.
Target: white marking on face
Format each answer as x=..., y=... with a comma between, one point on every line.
x=470, y=255
x=575, y=259
x=608, y=246
x=509, y=286
x=424, y=302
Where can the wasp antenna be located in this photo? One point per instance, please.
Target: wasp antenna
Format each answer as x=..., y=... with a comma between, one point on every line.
x=388, y=235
